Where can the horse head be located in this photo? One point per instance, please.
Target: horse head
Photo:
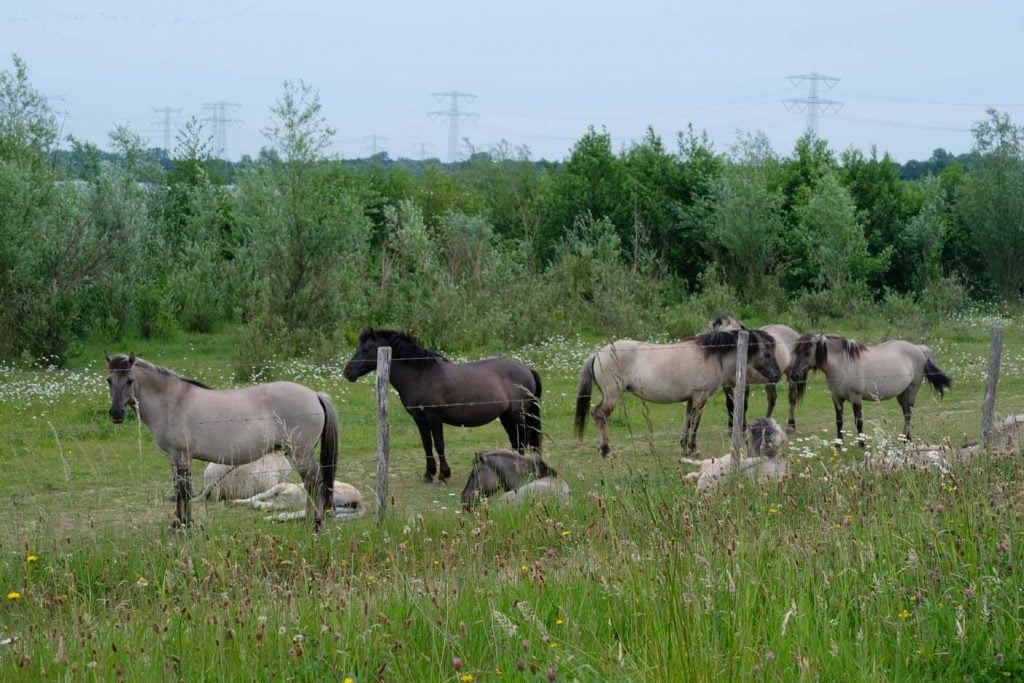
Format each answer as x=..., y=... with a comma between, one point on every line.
x=725, y=323
x=121, y=380
x=761, y=355
x=364, y=360
x=809, y=353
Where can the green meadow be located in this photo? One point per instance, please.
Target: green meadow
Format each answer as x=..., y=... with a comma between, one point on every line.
x=844, y=571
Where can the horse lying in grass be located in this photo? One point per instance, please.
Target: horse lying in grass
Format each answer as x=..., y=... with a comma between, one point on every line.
x=522, y=475
x=854, y=372
x=764, y=440
x=347, y=501
x=224, y=482
x=190, y=421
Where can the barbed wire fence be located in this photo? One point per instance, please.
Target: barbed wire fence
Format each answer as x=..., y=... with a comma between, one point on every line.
x=650, y=435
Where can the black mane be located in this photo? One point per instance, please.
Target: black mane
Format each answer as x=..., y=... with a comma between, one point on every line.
x=722, y=342
x=403, y=345
x=124, y=361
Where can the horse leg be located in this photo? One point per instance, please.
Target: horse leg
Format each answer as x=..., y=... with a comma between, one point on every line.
x=858, y=416
x=838, y=403
x=689, y=440
x=746, y=406
x=772, y=393
x=516, y=430
x=438, y=431
x=907, y=404
x=730, y=407
x=182, y=478
x=791, y=390
x=428, y=474
x=601, y=413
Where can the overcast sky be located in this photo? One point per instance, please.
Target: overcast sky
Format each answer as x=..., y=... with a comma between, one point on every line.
x=914, y=75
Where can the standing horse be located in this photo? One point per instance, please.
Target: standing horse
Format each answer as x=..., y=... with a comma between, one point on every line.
x=855, y=372
x=689, y=371
x=232, y=427
x=785, y=342
x=435, y=392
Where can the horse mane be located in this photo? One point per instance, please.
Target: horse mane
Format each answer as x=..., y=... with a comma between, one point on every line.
x=722, y=342
x=123, y=361
x=402, y=345
x=850, y=347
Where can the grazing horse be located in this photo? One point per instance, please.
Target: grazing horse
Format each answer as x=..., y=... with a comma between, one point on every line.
x=855, y=372
x=232, y=427
x=785, y=341
x=435, y=392
x=519, y=474
x=689, y=371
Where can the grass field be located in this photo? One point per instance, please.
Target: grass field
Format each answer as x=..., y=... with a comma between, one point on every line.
x=838, y=573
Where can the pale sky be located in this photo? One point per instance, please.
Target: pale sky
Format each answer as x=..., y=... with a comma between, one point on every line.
x=914, y=75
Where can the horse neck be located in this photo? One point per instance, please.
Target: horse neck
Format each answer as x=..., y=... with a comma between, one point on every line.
x=155, y=393
x=408, y=371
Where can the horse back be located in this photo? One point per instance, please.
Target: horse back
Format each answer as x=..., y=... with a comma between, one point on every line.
x=881, y=372
x=660, y=373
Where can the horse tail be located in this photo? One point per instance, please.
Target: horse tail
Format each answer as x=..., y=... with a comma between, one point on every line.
x=939, y=380
x=583, y=394
x=328, y=450
x=533, y=423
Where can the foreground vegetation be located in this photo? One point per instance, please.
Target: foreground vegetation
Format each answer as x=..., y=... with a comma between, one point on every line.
x=839, y=573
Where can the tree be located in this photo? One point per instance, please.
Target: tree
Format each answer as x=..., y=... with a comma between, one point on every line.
x=307, y=235
x=835, y=239
x=990, y=201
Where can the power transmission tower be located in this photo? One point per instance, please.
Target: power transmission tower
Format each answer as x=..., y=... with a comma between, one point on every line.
x=168, y=117
x=219, y=121
x=371, y=143
x=453, y=113
x=812, y=103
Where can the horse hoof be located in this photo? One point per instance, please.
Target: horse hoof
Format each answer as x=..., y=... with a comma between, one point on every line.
x=427, y=479
x=441, y=482
x=791, y=429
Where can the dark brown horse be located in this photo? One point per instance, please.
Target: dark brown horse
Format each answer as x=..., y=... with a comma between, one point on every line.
x=436, y=392
x=496, y=471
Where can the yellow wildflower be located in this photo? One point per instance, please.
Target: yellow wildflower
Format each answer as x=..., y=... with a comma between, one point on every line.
x=558, y=622
x=466, y=678
x=13, y=595
x=773, y=510
x=904, y=614
x=566, y=533
x=349, y=680
x=31, y=558
x=141, y=582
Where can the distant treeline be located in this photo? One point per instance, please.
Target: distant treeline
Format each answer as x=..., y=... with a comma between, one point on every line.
x=295, y=248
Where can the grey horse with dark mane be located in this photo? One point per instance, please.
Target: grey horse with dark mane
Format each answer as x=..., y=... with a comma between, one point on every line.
x=854, y=372
x=785, y=342
x=189, y=420
x=690, y=370
x=435, y=392
x=495, y=471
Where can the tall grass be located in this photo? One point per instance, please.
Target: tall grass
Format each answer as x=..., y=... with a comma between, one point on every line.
x=839, y=573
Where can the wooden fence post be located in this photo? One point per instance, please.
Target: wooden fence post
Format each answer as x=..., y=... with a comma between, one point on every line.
x=383, y=433
x=995, y=355
x=739, y=394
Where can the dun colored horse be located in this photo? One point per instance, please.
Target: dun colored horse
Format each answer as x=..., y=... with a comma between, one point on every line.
x=785, y=341
x=688, y=371
x=189, y=420
x=435, y=392
x=854, y=372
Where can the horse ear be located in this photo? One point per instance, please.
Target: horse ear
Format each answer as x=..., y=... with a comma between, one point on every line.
x=106, y=357
x=131, y=359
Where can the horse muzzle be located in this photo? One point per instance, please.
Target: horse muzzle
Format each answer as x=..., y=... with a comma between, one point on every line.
x=117, y=415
